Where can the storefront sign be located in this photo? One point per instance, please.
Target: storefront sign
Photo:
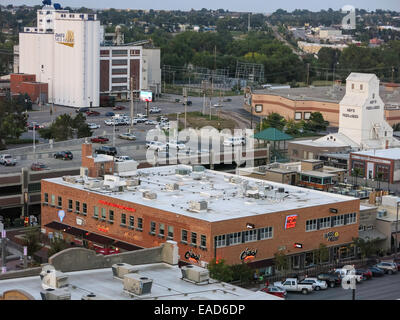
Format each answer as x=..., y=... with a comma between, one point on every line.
x=250, y=226
x=298, y=245
x=116, y=206
x=367, y=158
x=332, y=236
x=191, y=256
x=102, y=228
x=290, y=221
x=61, y=215
x=248, y=255
x=80, y=222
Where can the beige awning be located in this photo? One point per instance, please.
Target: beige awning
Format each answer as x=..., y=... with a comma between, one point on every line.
x=372, y=235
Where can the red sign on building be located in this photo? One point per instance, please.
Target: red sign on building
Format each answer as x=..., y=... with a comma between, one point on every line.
x=290, y=221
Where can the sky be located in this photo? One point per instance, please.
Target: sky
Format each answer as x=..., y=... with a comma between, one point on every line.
x=259, y=6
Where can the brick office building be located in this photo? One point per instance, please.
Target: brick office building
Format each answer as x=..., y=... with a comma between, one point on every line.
x=210, y=214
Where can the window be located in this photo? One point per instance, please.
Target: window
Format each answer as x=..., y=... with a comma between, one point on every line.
x=140, y=223
x=84, y=208
x=77, y=206
x=119, y=80
x=59, y=202
x=104, y=53
x=220, y=241
x=258, y=108
x=338, y=220
x=135, y=52
x=46, y=198
x=184, y=236
x=203, y=241
x=120, y=53
x=170, y=232
x=351, y=218
x=161, y=230
x=119, y=71
x=266, y=233
x=361, y=86
x=297, y=116
x=152, y=227
x=119, y=88
x=123, y=218
x=53, y=200
x=96, y=212
x=34, y=187
x=382, y=172
x=352, y=85
x=305, y=178
x=307, y=115
x=194, y=238
x=119, y=62
x=316, y=180
x=111, y=215
x=250, y=235
x=131, y=221
x=311, y=225
x=69, y=205
x=103, y=214
x=235, y=238
x=324, y=223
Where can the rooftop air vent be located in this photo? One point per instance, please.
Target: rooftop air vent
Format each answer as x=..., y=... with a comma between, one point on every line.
x=198, y=206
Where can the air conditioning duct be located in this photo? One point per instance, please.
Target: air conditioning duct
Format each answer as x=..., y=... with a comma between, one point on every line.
x=137, y=284
x=198, y=205
x=195, y=274
x=55, y=294
x=121, y=269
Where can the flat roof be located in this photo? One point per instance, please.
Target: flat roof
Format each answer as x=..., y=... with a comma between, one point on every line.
x=226, y=194
x=318, y=174
x=391, y=153
x=167, y=285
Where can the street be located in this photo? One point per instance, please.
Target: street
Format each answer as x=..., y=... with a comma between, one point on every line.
x=379, y=288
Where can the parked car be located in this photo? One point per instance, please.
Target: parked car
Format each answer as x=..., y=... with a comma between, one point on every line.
x=127, y=136
x=93, y=126
x=217, y=105
x=111, y=151
x=92, y=113
x=164, y=119
x=234, y=141
x=38, y=166
x=387, y=267
x=7, y=160
x=343, y=272
x=119, y=108
x=227, y=100
x=109, y=114
x=366, y=273
x=36, y=126
x=99, y=139
x=151, y=122
x=141, y=115
x=123, y=158
x=376, y=272
x=331, y=279
x=154, y=110
x=291, y=284
x=84, y=109
x=317, y=284
x=156, y=145
x=140, y=120
x=64, y=155
x=188, y=103
x=276, y=291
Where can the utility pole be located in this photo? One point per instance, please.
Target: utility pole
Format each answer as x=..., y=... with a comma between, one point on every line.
x=133, y=85
x=185, y=103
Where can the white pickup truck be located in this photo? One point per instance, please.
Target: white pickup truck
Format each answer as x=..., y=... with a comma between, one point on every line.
x=291, y=284
x=343, y=272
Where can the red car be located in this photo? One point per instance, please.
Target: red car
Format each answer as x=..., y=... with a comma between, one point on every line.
x=92, y=113
x=38, y=166
x=276, y=291
x=119, y=108
x=99, y=140
x=107, y=251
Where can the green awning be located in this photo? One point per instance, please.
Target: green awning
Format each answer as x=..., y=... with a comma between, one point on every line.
x=272, y=134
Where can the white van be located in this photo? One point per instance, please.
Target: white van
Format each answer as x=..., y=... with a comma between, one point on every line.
x=234, y=141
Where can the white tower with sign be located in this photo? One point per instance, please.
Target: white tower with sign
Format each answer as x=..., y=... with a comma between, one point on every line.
x=362, y=116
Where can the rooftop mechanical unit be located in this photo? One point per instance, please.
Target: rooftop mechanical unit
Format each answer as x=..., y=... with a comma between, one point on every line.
x=92, y=296
x=195, y=274
x=197, y=168
x=121, y=269
x=172, y=187
x=53, y=279
x=133, y=182
x=137, y=284
x=235, y=180
x=182, y=171
x=149, y=195
x=55, y=294
x=198, y=205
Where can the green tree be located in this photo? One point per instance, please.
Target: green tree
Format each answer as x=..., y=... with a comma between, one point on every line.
x=293, y=127
x=281, y=261
x=321, y=254
x=242, y=272
x=367, y=247
x=316, y=122
x=220, y=271
x=32, y=240
x=56, y=245
x=273, y=120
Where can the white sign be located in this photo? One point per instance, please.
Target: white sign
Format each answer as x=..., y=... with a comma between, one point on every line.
x=25, y=251
x=79, y=221
x=61, y=214
x=146, y=96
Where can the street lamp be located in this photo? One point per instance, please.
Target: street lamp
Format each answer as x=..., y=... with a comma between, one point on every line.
x=34, y=141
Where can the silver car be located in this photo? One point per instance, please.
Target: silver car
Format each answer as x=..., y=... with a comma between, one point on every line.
x=387, y=266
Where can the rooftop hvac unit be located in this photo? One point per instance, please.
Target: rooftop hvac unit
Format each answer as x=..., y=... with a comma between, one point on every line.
x=55, y=294
x=172, y=186
x=137, y=284
x=253, y=194
x=197, y=168
x=182, y=171
x=235, y=180
x=53, y=279
x=121, y=269
x=262, y=168
x=84, y=172
x=195, y=274
x=92, y=296
x=149, y=195
x=198, y=205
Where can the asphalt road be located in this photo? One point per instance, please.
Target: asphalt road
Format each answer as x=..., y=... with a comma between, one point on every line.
x=379, y=288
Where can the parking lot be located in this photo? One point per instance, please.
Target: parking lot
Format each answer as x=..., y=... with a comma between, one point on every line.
x=379, y=288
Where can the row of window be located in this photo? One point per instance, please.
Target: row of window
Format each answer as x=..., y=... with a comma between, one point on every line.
x=330, y=222
x=243, y=237
x=124, y=53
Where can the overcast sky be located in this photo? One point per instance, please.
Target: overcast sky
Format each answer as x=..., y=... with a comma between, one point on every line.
x=264, y=6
